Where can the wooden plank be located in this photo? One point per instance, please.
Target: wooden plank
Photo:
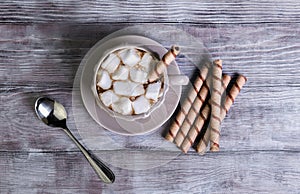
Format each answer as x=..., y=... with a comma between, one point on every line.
x=55, y=51
x=253, y=123
x=135, y=11
x=242, y=172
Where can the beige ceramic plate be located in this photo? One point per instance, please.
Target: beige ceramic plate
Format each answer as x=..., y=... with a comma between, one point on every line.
x=138, y=127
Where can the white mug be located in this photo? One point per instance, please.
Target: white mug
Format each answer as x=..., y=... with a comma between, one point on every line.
x=168, y=80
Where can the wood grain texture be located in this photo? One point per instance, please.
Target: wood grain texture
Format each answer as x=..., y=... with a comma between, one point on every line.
x=68, y=172
x=135, y=11
x=269, y=99
x=43, y=42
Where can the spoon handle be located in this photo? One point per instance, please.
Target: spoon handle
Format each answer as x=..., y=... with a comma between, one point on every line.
x=104, y=173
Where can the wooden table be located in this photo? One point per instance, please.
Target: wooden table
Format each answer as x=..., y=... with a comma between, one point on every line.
x=43, y=42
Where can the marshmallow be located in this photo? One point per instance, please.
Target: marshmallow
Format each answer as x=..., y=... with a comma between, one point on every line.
x=146, y=62
x=138, y=90
x=123, y=106
x=122, y=81
x=108, y=97
x=129, y=57
x=153, y=90
x=141, y=105
x=111, y=63
x=121, y=73
x=138, y=76
x=104, y=80
x=128, y=88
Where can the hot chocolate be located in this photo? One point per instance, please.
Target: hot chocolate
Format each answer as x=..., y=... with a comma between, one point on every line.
x=122, y=81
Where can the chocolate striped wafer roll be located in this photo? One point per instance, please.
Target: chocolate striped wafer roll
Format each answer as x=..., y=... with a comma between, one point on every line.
x=234, y=91
x=193, y=112
x=200, y=120
x=202, y=145
x=215, y=121
x=163, y=63
x=187, y=103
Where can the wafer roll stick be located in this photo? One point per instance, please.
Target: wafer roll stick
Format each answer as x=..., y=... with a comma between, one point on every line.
x=163, y=63
x=215, y=121
x=201, y=146
x=193, y=112
x=234, y=91
x=236, y=88
x=200, y=120
x=187, y=103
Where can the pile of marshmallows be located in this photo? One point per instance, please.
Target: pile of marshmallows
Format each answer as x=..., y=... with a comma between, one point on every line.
x=122, y=81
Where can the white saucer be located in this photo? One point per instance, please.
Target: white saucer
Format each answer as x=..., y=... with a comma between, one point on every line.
x=140, y=152
x=138, y=127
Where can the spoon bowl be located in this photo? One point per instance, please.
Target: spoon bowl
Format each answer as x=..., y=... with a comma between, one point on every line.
x=54, y=114
x=51, y=112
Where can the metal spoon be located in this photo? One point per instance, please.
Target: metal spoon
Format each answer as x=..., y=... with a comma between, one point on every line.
x=54, y=114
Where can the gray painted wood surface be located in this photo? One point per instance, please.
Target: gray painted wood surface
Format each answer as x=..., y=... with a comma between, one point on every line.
x=43, y=42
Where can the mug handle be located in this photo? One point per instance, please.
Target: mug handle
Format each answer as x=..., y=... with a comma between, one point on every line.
x=178, y=80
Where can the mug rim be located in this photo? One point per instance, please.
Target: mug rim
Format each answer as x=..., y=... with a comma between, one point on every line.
x=119, y=115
